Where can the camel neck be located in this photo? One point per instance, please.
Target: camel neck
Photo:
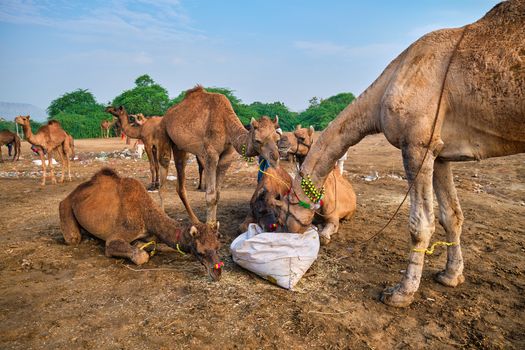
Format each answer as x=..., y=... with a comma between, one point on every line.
x=30, y=137
x=165, y=228
x=355, y=122
x=239, y=136
x=129, y=130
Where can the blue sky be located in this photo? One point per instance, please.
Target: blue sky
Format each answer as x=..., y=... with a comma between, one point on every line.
x=265, y=50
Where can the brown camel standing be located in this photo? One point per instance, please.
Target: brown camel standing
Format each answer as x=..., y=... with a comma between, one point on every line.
x=51, y=138
x=7, y=137
x=129, y=214
x=105, y=127
x=156, y=143
x=481, y=115
x=205, y=124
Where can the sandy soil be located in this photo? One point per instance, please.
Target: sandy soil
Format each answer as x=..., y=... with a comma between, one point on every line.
x=62, y=297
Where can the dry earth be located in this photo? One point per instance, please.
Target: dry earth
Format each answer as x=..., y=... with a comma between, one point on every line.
x=55, y=296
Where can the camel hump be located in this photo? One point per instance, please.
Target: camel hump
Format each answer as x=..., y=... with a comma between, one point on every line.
x=197, y=88
x=506, y=10
x=53, y=122
x=105, y=172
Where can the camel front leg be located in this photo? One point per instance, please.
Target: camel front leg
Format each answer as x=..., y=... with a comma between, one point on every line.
x=151, y=160
x=421, y=225
x=164, y=162
x=330, y=227
x=451, y=218
x=62, y=163
x=210, y=171
x=43, y=161
x=122, y=249
x=50, y=166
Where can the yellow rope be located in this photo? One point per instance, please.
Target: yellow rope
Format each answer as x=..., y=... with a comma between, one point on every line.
x=431, y=250
x=142, y=247
x=271, y=175
x=180, y=251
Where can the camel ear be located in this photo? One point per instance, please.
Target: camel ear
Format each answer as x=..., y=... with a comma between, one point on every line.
x=311, y=130
x=298, y=126
x=120, y=108
x=276, y=120
x=254, y=123
x=218, y=225
x=28, y=117
x=193, y=231
x=277, y=203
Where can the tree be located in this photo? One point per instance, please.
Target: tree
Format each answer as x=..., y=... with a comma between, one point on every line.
x=287, y=118
x=327, y=110
x=79, y=101
x=147, y=97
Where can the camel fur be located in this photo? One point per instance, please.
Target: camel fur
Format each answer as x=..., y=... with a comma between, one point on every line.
x=481, y=115
x=51, y=138
x=205, y=124
x=7, y=137
x=129, y=215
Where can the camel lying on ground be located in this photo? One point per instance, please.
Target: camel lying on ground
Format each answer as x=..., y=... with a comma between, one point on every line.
x=7, y=137
x=339, y=201
x=129, y=215
x=205, y=124
x=453, y=95
x=51, y=138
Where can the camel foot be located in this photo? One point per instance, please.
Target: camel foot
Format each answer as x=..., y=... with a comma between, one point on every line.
x=448, y=280
x=393, y=296
x=140, y=257
x=151, y=187
x=324, y=240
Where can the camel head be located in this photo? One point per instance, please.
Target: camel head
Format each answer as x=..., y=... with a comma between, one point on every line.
x=204, y=244
x=263, y=138
x=23, y=120
x=296, y=143
x=292, y=216
x=117, y=112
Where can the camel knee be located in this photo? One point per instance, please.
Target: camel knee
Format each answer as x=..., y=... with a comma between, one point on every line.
x=451, y=219
x=420, y=230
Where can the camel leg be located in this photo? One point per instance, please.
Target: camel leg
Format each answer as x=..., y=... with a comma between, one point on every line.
x=330, y=227
x=155, y=153
x=451, y=218
x=151, y=161
x=421, y=224
x=201, y=169
x=2, y=158
x=122, y=249
x=68, y=223
x=62, y=163
x=210, y=171
x=44, y=175
x=50, y=166
x=164, y=159
x=180, y=164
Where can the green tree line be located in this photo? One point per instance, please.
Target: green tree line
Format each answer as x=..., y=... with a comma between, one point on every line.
x=80, y=114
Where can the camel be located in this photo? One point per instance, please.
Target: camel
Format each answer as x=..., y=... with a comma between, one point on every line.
x=339, y=201
x=482, y=115
x=51, y=138
x=130, y=215
x=7, y=137
x=105, y=127
x=205, y=124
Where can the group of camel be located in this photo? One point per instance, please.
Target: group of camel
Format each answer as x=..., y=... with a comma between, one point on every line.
x=453, y=95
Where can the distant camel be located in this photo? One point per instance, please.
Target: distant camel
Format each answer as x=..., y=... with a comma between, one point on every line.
x=105, y=128
x=129, y=215
x=156, y=144
x=205, y=124
x=473, y=112
x=50, y=137
x=7, y=137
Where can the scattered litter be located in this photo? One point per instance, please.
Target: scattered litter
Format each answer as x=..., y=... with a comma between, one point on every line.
x=431, y=299
x=39, y=162
x=171, y=178
x=281, y=258
x=373, y=177
x=395, y=177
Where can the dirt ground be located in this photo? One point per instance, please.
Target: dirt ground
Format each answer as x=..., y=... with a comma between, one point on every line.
x=56, y=296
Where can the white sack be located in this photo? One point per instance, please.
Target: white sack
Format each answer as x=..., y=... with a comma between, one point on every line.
x=281, y=258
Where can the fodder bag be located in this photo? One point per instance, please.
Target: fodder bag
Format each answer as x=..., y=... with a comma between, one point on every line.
x=281, y=258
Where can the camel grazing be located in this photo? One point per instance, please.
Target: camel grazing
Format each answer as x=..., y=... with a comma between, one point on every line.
x=105, y=127
x=156, y=144
x=7, y=137
x=51, y=138
x=130, y=215
x=205, y=124
x=481, y=115
x=339, y=201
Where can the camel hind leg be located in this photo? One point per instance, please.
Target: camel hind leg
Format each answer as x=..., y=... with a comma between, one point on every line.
x=180, y=164
x=122, y=249
x=451, y=218
x=151, y=161
x=68, y=223
x=164, y=158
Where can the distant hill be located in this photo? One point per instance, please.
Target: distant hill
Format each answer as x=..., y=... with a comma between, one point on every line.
x=9, y=111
